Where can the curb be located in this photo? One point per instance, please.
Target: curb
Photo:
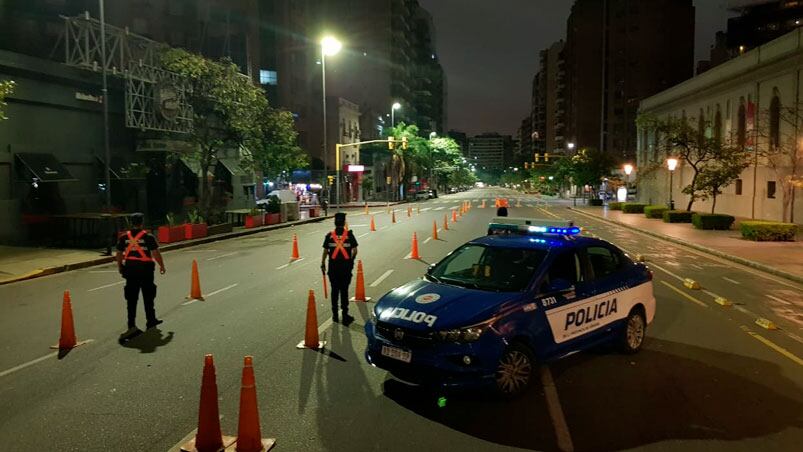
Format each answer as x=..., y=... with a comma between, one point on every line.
x=169, y=247
x=739, y=260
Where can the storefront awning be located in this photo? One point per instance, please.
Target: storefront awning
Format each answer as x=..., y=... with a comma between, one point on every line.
x=123, y=170
x=44, y=167
x=194, y=166
x=232, y=165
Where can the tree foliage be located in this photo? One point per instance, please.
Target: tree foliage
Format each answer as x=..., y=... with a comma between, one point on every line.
x=587, y=166
x=779, y=150
x=721, y=171
x=276, y=149
x=6, y=88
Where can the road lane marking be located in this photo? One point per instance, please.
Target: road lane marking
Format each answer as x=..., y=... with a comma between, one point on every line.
x=210, y=294
x=362, y=235
x=562, y=433
x=383, y=228
x=37, y=360
x=289, y=264
x=777, y=299
x=439, y=208
x=106, y=286
x=222, y=256
x=427, y=240
x=730, y=280
x=694, y=300
x=379, y=280
x=773, y=346
x=549, y=213
x=315, y=232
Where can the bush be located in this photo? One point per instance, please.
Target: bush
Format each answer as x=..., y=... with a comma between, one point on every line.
x=615, y=205
x=655, y=211
x=633, y=207
x=677, y=216
x=768, y=231
x=712, y=221
x=595, y=202
x=274, y=204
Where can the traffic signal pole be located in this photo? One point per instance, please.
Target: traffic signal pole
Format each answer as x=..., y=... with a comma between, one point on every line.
x=390, y=141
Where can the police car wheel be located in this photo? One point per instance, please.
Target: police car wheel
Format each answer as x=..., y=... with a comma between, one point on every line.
x=515, y=370
x=633, y=333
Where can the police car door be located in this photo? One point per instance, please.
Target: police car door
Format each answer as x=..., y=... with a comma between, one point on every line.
x=562, y=289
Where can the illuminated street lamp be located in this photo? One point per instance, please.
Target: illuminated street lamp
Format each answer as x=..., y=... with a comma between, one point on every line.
x=329, y=47
x=671, y=163
x=570, y=146
x=628, y=169
x=393, y=109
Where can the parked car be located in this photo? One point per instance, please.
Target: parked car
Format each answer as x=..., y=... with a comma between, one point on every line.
x=283, y=195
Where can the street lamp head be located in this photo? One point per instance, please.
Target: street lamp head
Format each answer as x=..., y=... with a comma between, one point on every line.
x=671, y=163
x=330, y=46
x=628, y=169
x=432, y=135
x=396, y=105
x=570, y=145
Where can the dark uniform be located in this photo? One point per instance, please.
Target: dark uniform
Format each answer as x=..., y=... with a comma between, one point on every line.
x=340, y=245
x=138, y=269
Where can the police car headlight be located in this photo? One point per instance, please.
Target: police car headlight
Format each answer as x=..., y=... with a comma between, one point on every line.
x=470, y=334
x=372, y=315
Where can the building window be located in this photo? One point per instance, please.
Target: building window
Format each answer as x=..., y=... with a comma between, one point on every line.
x=267, y=77
x=775, y=121
x=718, y=126
x=738, y=185
x=741, y=132
x=771, y=189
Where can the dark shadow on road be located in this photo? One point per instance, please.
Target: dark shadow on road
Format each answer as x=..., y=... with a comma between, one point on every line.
x=150, y=340
x=673, y=391
x=309, y=360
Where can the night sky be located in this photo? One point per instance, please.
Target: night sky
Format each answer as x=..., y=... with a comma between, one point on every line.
x=489, y=50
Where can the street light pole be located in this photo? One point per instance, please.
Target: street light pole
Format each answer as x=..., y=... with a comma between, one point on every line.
x=671, y=163
x=105, y=91
x=329, y=46
x=393, y=109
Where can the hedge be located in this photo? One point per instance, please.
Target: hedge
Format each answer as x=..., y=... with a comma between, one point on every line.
x=633, y=207
x=595, y=202
x=677, y=216
x=655, y=211
x=766, y=231
x=712, y=221
x=615, y=205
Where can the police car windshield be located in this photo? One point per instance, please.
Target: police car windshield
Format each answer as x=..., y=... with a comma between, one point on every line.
x=489, y=268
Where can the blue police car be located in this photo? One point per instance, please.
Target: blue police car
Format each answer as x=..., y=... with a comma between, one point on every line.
x=529, y=292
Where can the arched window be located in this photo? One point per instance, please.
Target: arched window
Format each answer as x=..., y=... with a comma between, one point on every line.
x=775, y=120
x=718, y=125
x=741, y=131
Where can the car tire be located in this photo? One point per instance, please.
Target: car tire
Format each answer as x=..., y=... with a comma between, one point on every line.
x=633, y=333
x=515, y=370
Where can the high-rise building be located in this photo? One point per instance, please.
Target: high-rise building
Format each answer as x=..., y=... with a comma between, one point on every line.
x=461, y=138
x=488, y=151
x=617, y=53
x=548, y=101
x=525, y=149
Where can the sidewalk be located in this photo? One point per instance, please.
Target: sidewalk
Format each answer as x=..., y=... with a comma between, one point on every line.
x=19, y=263
x=783, y=259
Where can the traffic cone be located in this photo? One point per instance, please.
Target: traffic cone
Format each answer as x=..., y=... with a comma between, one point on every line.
x=359, y=291
x=483, y=204
x=434, y=230
x=208, y=436
x=325, y=287
x=249, y=435
x=409, y=212
x=311, y=332
x=294, y=256
x=195, y=284
x=67, y=338
x=366, y=208
x=454, y=216
x=373, y=225
x=414, y=250
x=445, y=222
x=393, y=217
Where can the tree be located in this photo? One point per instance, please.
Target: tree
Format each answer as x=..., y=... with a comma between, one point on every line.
x=6, y=88
x=462, y=177
x=275, y=149
x=778, y=128
x=686, y=140
x=588, y=166
x=726, y=166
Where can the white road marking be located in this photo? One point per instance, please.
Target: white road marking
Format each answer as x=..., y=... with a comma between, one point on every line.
x=222, y=256
x=778, y=299
x=106, y=286
x=289, y=264
x=189, y=302
x=37, y=360
x=315, y=232
x=439, y=208
x=426, y=208
x=381, y=278
x=428, y=239
x=282, y=266
x=562, y=433
x=730, y=280
x=362, y=235
x=383, y=228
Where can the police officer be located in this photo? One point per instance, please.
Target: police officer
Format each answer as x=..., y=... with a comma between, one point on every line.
x=340, y=247
x=136, y=252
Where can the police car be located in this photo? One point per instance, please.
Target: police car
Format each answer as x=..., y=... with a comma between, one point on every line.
x=529, y=292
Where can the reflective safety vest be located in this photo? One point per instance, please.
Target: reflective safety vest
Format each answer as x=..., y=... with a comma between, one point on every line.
x=133, y=245
x=340, y=245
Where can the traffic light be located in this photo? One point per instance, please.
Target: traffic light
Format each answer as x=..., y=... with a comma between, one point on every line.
x=526, y=165
x=391, y=143
x=546, y=156
x=404, y=143
x=331, y=179
x=536, y=158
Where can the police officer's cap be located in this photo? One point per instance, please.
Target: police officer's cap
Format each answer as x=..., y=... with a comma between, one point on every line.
x=137, y=218
x=340, y=218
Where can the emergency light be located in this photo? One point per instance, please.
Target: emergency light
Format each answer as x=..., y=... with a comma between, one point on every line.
x=533, y=226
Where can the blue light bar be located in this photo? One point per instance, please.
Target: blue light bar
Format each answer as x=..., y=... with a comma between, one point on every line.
x=528, y=226
x=573, y=230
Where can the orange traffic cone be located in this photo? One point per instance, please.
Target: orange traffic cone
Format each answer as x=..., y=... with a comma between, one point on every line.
x=366, y=208
x=208, y=436
x=325, y=287
x=409, y=212
x=482, y=206
x=393, y=217
x=445, y=222
x=359, y=291
x=294, y=256
x=373, y=225
x=249, y=435
x=414, y=250
x=67, y=338
x=434, y=230
x=454, y=216
x=195, y=284
x=311, y=332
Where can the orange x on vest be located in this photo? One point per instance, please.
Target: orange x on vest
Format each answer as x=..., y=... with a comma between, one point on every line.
x=339, y=245
x=133, y=245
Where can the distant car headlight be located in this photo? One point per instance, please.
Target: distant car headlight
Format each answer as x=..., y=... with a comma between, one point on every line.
x=469, y=334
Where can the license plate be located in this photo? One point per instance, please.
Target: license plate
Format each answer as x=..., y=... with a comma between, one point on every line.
x=397, y=353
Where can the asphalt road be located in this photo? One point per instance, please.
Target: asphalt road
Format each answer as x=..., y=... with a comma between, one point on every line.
x=708, y=377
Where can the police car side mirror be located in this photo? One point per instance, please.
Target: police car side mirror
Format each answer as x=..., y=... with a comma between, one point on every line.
x=429, y=269
x=559, y=285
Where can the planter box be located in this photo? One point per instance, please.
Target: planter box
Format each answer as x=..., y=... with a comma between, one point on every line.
x=222, y=228
x=252, y=221
x=195, y=231
x=170, y=234
x=273, y=218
